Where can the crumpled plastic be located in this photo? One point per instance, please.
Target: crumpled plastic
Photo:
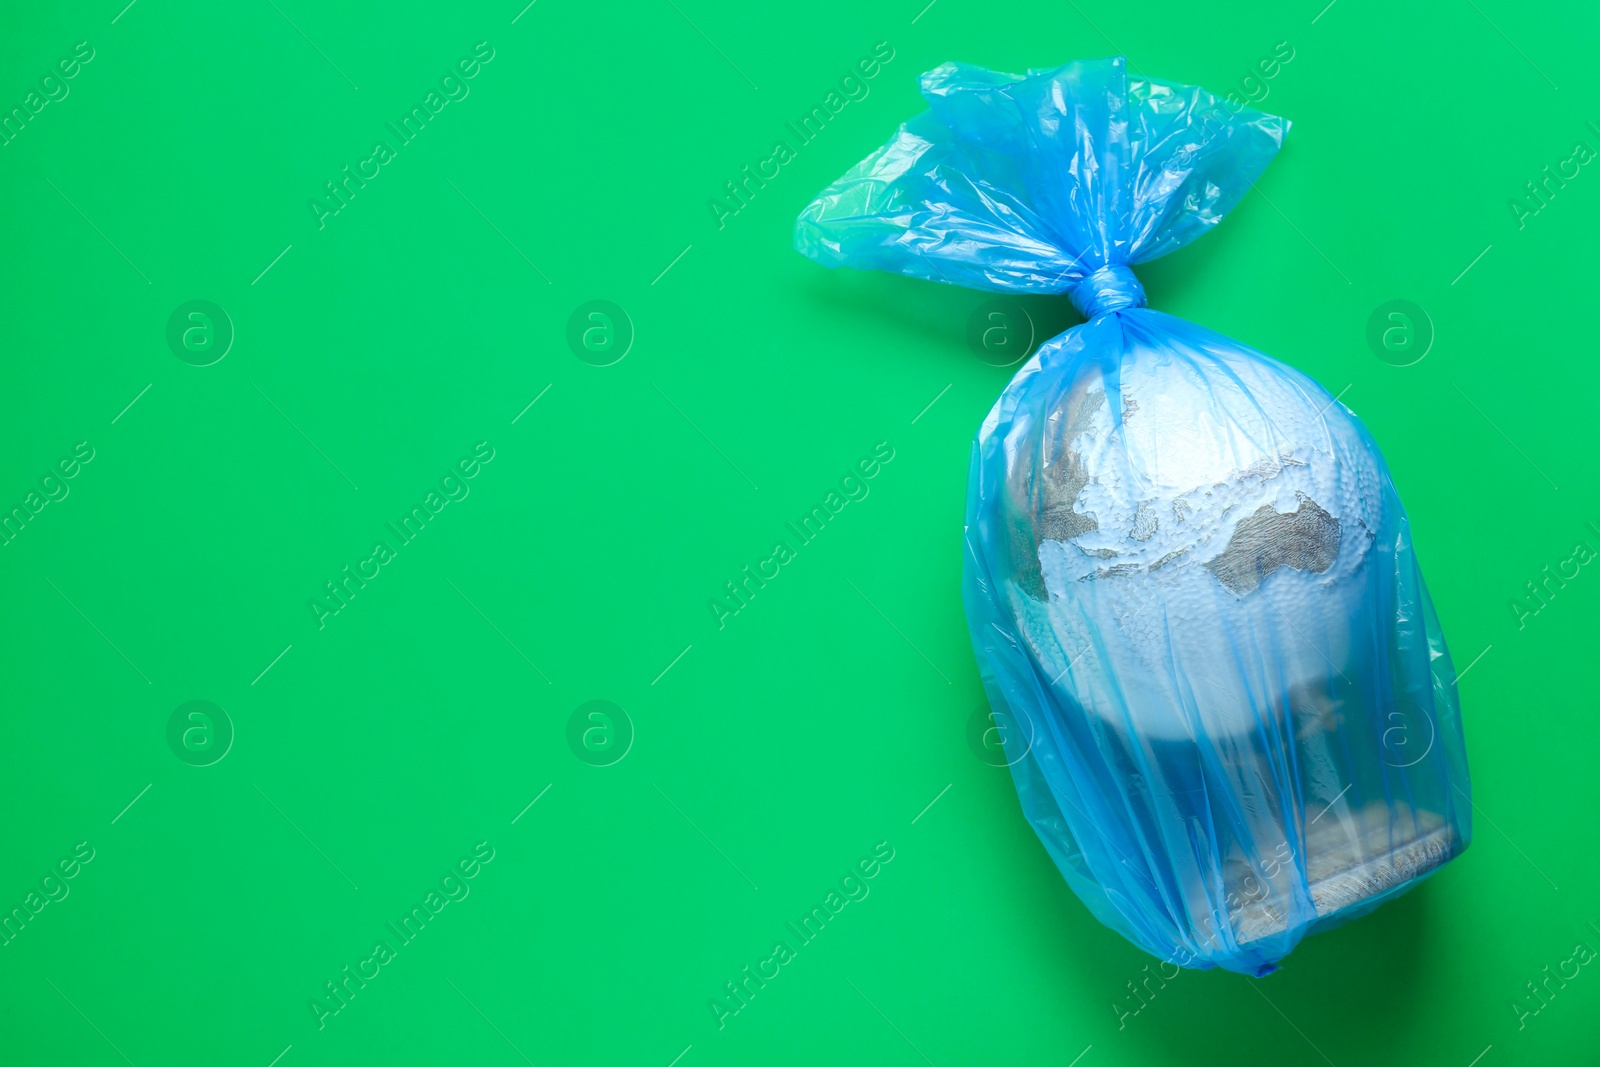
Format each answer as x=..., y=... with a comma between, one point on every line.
x=1223, y=690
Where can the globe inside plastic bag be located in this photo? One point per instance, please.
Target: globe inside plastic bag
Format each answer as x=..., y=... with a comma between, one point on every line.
x=1232, y=718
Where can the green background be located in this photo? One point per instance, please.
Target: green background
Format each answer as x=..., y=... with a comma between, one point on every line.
x=771, y=755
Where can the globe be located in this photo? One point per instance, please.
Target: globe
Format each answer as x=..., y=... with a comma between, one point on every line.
x=1191, y=504
x=1210, y=574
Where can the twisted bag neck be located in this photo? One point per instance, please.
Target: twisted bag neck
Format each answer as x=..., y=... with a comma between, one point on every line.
x=1107, y=289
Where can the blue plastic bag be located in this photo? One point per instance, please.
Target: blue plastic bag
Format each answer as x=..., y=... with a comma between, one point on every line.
x=1227, y=703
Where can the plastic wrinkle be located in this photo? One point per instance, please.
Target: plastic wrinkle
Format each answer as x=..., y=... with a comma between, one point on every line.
x=1189, y=580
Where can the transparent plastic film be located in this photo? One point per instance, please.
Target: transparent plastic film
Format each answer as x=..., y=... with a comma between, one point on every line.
x=1189, y=580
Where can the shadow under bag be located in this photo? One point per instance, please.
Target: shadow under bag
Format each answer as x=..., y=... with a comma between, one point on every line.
x=1225, y=697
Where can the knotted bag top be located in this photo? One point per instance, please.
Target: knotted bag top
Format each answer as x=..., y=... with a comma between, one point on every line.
x=1054, y=181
